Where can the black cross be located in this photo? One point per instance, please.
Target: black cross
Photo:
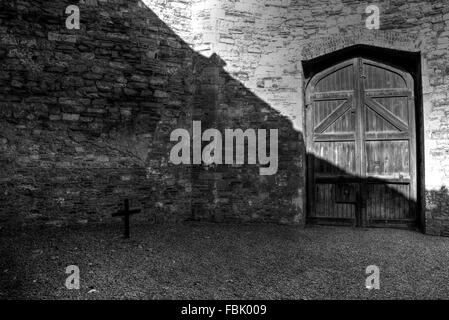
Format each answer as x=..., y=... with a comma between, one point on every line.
x=125, y=214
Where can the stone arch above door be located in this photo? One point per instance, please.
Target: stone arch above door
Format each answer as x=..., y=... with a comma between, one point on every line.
x=316, y=47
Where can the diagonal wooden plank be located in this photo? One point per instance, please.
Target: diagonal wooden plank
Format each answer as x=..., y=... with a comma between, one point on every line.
x=334, y=116
x=386, y=114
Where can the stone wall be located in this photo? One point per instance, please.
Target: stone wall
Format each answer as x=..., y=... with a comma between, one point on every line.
x=86, y=114
x=95, y=107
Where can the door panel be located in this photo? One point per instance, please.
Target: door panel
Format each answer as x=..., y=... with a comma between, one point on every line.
x=389, y=203
x=335, y=157
x=329, y=209
x=388, y=159
x=378, y=76
x=375, y=122
x=388, y=136
x=361, y=145
x=339, y=79
x=396, y=105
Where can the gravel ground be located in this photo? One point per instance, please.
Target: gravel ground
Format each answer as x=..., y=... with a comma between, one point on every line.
x=220, y=261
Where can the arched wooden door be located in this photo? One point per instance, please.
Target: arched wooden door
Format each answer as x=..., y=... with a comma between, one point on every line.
x=361, y=145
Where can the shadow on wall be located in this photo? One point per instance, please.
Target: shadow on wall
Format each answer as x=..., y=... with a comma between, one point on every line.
x=86, y=117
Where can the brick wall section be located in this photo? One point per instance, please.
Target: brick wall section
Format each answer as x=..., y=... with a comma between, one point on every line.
x=86, y=114
x=239, y=192
x=94, y=107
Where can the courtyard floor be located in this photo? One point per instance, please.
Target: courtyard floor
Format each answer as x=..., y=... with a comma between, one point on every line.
x=222, y=261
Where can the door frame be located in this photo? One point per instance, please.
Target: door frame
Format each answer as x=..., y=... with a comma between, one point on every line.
x=401, y=62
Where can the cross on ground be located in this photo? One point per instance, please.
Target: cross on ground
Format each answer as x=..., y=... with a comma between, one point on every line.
x=125, y=214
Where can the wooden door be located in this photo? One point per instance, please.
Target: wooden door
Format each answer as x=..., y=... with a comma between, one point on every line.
x=361, y=145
